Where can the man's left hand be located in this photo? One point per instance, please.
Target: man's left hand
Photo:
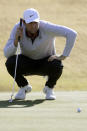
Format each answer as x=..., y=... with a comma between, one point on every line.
x=61, y=57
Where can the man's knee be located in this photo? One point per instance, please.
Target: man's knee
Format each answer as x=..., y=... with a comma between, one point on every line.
x=56, y=65
x=10, y=63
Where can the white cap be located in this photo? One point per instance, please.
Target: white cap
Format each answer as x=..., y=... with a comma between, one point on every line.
x=31, y=15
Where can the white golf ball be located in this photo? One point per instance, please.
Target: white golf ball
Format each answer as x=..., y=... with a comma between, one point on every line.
x=79, y=110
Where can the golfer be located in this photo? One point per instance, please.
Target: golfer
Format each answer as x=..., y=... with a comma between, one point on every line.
x=38, y=54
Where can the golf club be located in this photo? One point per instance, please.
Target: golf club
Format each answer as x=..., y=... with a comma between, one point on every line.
x=18, y=47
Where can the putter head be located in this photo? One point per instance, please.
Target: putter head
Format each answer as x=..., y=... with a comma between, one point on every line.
x=10, y=100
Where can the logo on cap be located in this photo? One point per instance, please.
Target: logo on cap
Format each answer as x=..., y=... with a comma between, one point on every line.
x=31, y=15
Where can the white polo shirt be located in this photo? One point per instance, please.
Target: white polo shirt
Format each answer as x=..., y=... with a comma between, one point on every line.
x=44, y=44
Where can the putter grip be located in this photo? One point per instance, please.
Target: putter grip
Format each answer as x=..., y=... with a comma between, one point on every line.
x=20, y=26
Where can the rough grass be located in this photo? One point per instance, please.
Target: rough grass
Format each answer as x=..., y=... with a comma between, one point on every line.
x=71, y=13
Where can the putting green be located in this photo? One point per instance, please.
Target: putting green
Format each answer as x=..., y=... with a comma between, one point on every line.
x=38, y=114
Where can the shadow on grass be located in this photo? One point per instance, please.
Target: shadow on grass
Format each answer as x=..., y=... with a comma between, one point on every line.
x=20, y=103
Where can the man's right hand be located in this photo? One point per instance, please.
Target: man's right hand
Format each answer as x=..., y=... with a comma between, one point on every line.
x=19, y=33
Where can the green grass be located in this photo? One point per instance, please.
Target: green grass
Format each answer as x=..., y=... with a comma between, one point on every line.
x=71, y=13
x=38, y=114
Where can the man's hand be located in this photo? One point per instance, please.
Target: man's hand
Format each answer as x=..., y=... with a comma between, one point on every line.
x=19, y=33
x=61, y=57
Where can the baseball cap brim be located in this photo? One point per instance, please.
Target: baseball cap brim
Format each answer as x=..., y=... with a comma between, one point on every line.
x=31, y=20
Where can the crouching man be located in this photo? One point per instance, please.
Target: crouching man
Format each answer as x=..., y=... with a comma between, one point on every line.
x=38, y=55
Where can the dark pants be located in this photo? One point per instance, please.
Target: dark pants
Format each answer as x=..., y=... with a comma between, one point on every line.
x=27, y=66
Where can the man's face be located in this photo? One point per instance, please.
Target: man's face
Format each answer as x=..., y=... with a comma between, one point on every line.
x=32, y=27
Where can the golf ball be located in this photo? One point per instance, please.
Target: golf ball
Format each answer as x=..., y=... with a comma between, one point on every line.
x=79, y=110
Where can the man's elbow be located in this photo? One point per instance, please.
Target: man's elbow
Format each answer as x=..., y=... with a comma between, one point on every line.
x=74, y=34
x=6, y=53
